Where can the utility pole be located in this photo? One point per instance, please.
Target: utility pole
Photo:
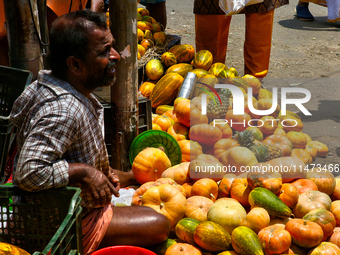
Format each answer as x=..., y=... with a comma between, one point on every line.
x=124, y=93
x=23, y=33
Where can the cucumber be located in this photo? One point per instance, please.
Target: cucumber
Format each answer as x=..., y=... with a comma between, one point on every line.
x=261, y=197
x=246, y=242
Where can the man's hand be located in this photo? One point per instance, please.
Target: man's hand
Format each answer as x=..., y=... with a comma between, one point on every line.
x=114, y=179
x=94, y=182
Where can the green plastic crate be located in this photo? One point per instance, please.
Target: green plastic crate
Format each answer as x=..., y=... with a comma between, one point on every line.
x=44, y=222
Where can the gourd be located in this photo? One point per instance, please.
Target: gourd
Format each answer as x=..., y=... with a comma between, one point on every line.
x=183, y=53
x=245, y=241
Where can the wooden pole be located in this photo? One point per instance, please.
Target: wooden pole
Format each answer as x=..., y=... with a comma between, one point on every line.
x=124, y=93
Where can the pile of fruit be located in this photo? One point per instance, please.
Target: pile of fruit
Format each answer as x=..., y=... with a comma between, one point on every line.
x=234, y=212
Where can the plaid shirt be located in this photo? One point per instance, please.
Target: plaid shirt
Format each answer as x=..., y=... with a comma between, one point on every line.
x=56, y=125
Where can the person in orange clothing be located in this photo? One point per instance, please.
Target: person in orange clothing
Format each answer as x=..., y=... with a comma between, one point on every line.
x=212, y=30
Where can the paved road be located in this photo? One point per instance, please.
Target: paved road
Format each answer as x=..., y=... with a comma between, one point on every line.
x=304, y=54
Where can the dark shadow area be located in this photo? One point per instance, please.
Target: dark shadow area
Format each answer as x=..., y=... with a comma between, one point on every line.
x=338, y=151
x=327, y=110
x=319, y=24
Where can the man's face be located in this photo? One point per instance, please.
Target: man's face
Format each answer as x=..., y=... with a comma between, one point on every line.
x=101, y=59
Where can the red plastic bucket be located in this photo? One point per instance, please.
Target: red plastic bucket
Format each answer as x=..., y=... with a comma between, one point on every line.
x=123, y=250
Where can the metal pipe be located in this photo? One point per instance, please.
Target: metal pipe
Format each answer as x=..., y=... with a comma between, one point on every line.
x=23, y=40
x=42, y=9
x=124, y=93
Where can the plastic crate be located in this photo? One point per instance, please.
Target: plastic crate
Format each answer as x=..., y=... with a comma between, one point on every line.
x=44, y=222
x=12, y=84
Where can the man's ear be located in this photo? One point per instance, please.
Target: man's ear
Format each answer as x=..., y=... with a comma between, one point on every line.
x=75, y=65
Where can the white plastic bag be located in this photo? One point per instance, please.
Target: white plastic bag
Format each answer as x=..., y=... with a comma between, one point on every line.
x=231, y=7
x=125, y=197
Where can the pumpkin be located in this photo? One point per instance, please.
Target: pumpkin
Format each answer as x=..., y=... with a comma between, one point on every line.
x=227, y=131
x=280, y=131
x=271, y=181
x=171, y=113
x=303, y=155
x=304, y=233
x=187, y=188
x=239, y=157
x=322, y=149
x=240, y=191
x=166, y=89
x=287, y=163
x=280, y=141
x=166, y=200
x=335, y=209
x=336, y=193
x=185, y=229
x=183, y=52
x=227, y=212
x=181, y=69
x=235, y=120
x=224, y=186
x=202, y=59
x=222, y=145
x=324, y=180
x=205, y=187
x=289, y=194
x=168, y=59
x=291, y=123
x=245, y=241
x=253, y=82
x=161, y=109
x=179, y=173
x=282, y=221
x=137, y=195
x=6, y=248
x=197, y=207
x=257, y=218
x=164, y=122
x=205, y=134
x=298, y=139
x=149, y=164
x=265, y=104
x=182, y=248
x=275, y=239
x=154, y=69
x=303, y=185
x=146, y=89
x=162, y=247
x=325, y=248
x=190, y=150
x=212, y=237
x=335, y=236
x=267, y=125
x=182, y=110
x=196, y=117
x=324, y=218
x=178, y=131
x=310, y=200
x=311, y=150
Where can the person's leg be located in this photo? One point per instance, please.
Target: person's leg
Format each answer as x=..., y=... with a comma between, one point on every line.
x=302, y=11
x=211, y=33
x=158, y=12
x=136, y=225
x=257, y=45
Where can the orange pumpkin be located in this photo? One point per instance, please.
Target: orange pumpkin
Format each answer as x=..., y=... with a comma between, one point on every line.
x=182, y=110
x=164, y=122
x=237, y=122
x=303, y=155
x=149, y=164
x=146, y=89
x=275, y=239
x=240, y=191
x=224, y=186
x=171, y=113
x=205, y=134
x=178, y=131
x=200, y=168
x=196, y=117
x=222, y=145
x=298, y=139
x=182, y=248
x=324, y=180
x=267, y=125
x=190, y=150
x=336, y=193
x=205, y=187
x=156, y=127
x=271, y=181
x=335, y=209
x=187, y=187
x=311, y=150
x=303, y=185
x=321, y=148
x=257, y=219
x=137, y=195
x=280, y=141
x=289, y=194
x=238, y=158
x=335, y=236
x=304, y=233
x=166, y=200
x=179, y=173
x=265, y=104
x=227, y=131
x=291, y=124
x=197, y=207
